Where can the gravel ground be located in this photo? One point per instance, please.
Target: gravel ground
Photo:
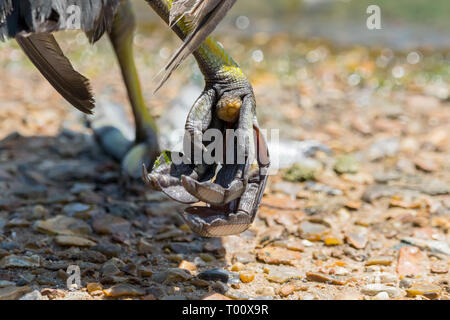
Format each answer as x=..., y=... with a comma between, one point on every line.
x=369, y=221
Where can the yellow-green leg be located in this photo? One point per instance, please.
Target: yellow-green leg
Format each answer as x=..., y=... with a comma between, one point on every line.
x=145, y=148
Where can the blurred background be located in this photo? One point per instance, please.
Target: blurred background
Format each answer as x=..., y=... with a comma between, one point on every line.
x=308, y=52
x=377, y=99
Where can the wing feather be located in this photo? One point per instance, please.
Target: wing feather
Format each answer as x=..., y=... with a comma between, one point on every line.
x=49, y=59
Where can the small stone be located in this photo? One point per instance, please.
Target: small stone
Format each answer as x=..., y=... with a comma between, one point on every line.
x=237, y=267
x=187, y=265
x=145, y=271
x=247, y=277
x=94, y=286
x=13, y=292
x=109, y=224
x=14, y=261
x=215, y=275
x=124, y=290
x=266, y=291
x=357, y=238
x=432, y=245
x=207, y=257
x=4, y=283
x=439, y=268
x=411, y=261
x=186, y=248
x=62, y=274
x=18, y=223
x=111, y=268
x=380, y=260
x=332, y=240
x=77, y=210
x=271, y=255
x=284, y=275
x=33, y=296
x=312, y=231
x=172, y=275
x=346, y=164
x=145, y=247
x=300, y=172
x=375, y=288
x=428, y=290
x=325, y=278
x=62, y=225
x=382, y=296
x=288, y=289
x=69, y=241
x=426, y=165
x=108, y=249
x=215, y=296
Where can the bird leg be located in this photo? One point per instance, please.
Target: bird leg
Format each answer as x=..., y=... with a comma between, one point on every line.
x=233, y=194
x=145, y=148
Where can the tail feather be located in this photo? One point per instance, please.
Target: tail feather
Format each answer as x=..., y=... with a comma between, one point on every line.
x=47, y=56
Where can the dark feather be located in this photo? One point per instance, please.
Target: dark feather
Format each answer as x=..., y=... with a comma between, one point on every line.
x=46, y=16
x=210, y=16
x=47, y=56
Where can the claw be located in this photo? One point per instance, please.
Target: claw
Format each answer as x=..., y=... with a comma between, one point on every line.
x=238, y=215
x=213, y=193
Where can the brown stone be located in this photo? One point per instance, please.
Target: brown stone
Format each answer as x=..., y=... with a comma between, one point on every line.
x=273, y=255
x=410, y=261
x=428, y=290
x=13, y=292
x=325, y=278
x=124, y=290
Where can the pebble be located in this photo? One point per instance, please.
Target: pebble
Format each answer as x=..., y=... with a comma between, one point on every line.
x=62, y=225
x=13, y=292
x=375, y=288
x=273, y=255
x=186, y=248
x=215, y=296
x=247, y=277
x=188, y=266
x=145, y=247
x=284, y=275
x=171, y=275
x=68, y=241
x=33, y=296
x=215, y=275
x=411, y=261
x=266, y=291
x=14, y=261
x=382, y=296
x=312, y=231
x=109, y=224
x=325, y=278
x=432, y=245
x=77, y=210
x=428, y=290
x=111, y=268
x=439, y=268
x=332, y=240
x=380, y=260
x=124, y=290
x=346, y=164
x=357, y=238
x=108, y=249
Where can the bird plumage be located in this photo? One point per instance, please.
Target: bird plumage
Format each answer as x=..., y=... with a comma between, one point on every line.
x=44, y=16
x=203, y=16
x=21, y=18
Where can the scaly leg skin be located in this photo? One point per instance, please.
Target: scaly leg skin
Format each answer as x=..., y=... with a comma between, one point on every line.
x=228, y=101
x=145, y=148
